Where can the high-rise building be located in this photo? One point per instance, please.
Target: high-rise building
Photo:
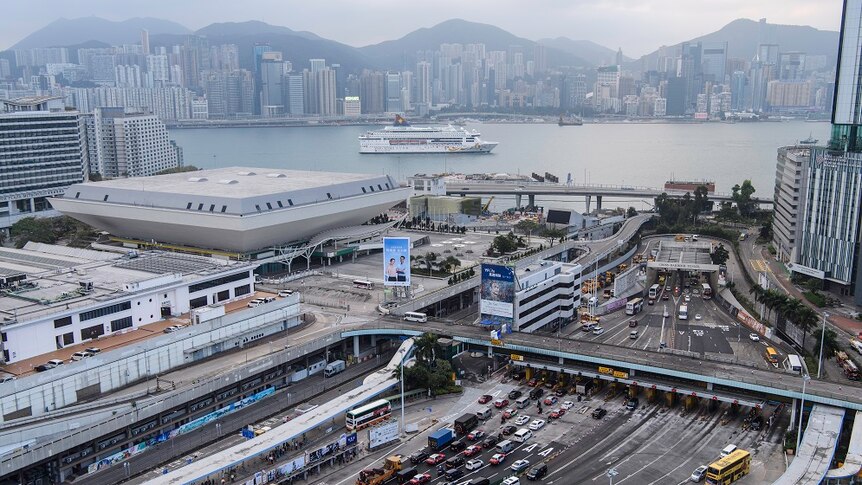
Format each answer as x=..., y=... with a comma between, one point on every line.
x=38, y=129
x=788, y=94
x=271, y=84
x=295, y=94
x=714, y=61
x=791, y=65
x=317, y=65
x=257, y=55
x=132, y=144
x=829, y=235
x=789, y=197
x=423, y=83
x=325, y=79
x=309, y=92
x=373, y=92
x=145, y=42
x=393, y=92
x=352, y=106
x=737, y=90
x=540, y=58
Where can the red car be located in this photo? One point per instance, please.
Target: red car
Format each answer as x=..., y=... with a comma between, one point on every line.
x=509, y=413
x=435, y=459
x=558, y=413
x=550, y=400
x=420, y=479
x=486, y=398
x=533, y=382
x=476, y=435
x=473, y=450
x=497, y=459
x=501, y=403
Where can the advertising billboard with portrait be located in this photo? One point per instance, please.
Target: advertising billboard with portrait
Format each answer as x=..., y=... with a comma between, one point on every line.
x=497, y=294
x=396, y=261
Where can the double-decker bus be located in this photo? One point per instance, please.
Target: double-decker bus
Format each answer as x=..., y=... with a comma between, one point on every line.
x=368, y=415
x=707, y=291
x=654, y=291
x=729, y=469
x=634, y=306
x=683, y=312
x=364, y=284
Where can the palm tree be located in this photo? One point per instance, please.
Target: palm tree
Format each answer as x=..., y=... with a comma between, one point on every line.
x=427, y=348
x=806, y=319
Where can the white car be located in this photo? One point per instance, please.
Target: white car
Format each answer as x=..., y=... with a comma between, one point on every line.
x=567, y=405
x=697, y=316
x=537, y=424
x=754, y=337
x=474, y=464
x=511, y=481
x=284, y=293
x=255, y=303
x=687, y=298
x=598, y=331
x=519, y=465
x=522, y=420
x=698, y=474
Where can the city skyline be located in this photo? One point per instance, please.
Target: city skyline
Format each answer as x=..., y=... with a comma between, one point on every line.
x=634, y=21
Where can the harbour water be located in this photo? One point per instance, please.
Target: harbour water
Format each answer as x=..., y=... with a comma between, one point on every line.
x=636, y=154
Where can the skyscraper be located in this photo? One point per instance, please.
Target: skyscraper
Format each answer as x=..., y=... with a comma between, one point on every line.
x=295, y=94
x=271, y=84
x=145, y=41
x=714, y=61
x=325, y=79
x=393, y=92
x=257, y=55
x=423, y=82
x=317, y=65
x=132, y=144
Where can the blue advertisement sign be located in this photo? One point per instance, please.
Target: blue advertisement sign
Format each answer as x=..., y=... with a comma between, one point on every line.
x=497, y=295
x=396, y=261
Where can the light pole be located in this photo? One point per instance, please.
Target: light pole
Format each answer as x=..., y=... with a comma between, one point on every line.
x=402, y=392
x=611, y=474
x=805, y=380
x=822, y=337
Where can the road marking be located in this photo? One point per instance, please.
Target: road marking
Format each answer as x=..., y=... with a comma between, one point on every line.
x=691, y=457
x=759, y=265
x=545, y=452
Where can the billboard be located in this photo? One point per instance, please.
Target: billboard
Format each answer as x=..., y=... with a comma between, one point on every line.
x=396, y=261
x=497, y=295
x=383, y=434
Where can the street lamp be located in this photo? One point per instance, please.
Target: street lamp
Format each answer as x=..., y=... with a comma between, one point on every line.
x=611, y=474
x=805, y=380
x=822, y=337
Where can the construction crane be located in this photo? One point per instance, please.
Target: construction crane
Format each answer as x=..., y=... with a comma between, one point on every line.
x=487, y=205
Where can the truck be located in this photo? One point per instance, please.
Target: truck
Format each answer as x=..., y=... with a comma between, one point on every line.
x=466, y=423
x=851, y=371
x=440, y=439
x=856, y=345
x=333, y=368
x=379, y=476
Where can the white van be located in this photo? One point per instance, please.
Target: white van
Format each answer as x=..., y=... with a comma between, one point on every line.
x=505, y=446
x=484, y=413
x=522, y=435
x=728, y=450
x=522, y=402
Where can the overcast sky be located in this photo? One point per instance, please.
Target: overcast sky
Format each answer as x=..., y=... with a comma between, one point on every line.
x=638, y=26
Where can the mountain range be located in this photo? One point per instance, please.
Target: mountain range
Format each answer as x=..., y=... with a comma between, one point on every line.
x=742, y=36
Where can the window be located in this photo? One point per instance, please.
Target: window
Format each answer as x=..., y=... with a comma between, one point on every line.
x=290, y=202
x=189, y=206
x=212, y=207
x=92, y=332
x=105, y=198
x=198, y=302
x=329, y=195
x=223, y=295
x=269, y=206
x=387, y=186
x=217, y=282
x=379, y=187
x=62, y=322
x=68, y=338
x=371, y=187
x=77, y=194
x=121, y=324
x=3, y=337
x=106, y=310
x=364, y=191
x=241, y=290
x=223, y=208
x=279, y=204
x=256, y=206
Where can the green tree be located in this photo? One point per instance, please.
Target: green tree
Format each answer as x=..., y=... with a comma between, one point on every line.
x=830, y=341
x=552, y=235
x=741, y=194
x=184, y=168
x=526, y=226
x=504, y=244
x=427, y=349
x=631, y=212
x=720, y=255
x=33, y=229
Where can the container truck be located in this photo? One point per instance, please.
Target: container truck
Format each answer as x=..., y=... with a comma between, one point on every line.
x=440, y=439
x=466, y=423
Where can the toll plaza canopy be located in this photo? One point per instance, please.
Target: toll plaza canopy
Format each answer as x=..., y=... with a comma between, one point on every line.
x=686, y=256
x=814, y=455
x=853, y=461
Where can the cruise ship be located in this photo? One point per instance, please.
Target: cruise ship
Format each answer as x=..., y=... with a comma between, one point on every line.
x=403, y=138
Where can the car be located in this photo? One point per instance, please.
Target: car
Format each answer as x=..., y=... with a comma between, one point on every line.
x=520, y=465
x=537, y=393
x=419, y=456
x=476, y=435
x=754, y=337
x=666, y=314
x=455, y=462
x=560, y=392
x=435, y=459
x=665, y=297
x=510, y=412
x=511, y=481
x=557, y=413
x=568, y=405
x=497, y=458
x=533, y=382
x=420, y=479
x=285, y=293
x=537, y=424
x=651, y=301
x=42, y=368
x=93, y=350
x=81, y=355
x=599, y=413
x=501, y=403
x=459, y=445
x=698, y=316
x=472, y=450
x=537, y=472
x=667, y=288
x=255, y=303
x=598, y=331
x=633, y=323
x=632, y=404
x=549, y=384
x=698, y=474
x=485, y=399
x=171, y=329
x=55, y=362
x=522, y=420
x=515, y=394
x=474, y=464
x=508, y=429
x=550, y=400
x=489, y=442
x=687, y=298
x=268, y=299
x=6, y=379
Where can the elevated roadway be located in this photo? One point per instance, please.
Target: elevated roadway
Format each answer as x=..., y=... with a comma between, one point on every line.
x=853, y=461
x=814, y=455
x=532, y=189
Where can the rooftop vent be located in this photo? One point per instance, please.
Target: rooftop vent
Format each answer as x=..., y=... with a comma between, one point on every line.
x=246, y=174
x=197, y=179
x=228, y=181
x=276, y=175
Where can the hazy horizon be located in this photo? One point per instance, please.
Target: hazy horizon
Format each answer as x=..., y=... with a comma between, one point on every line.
x=637, y=26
